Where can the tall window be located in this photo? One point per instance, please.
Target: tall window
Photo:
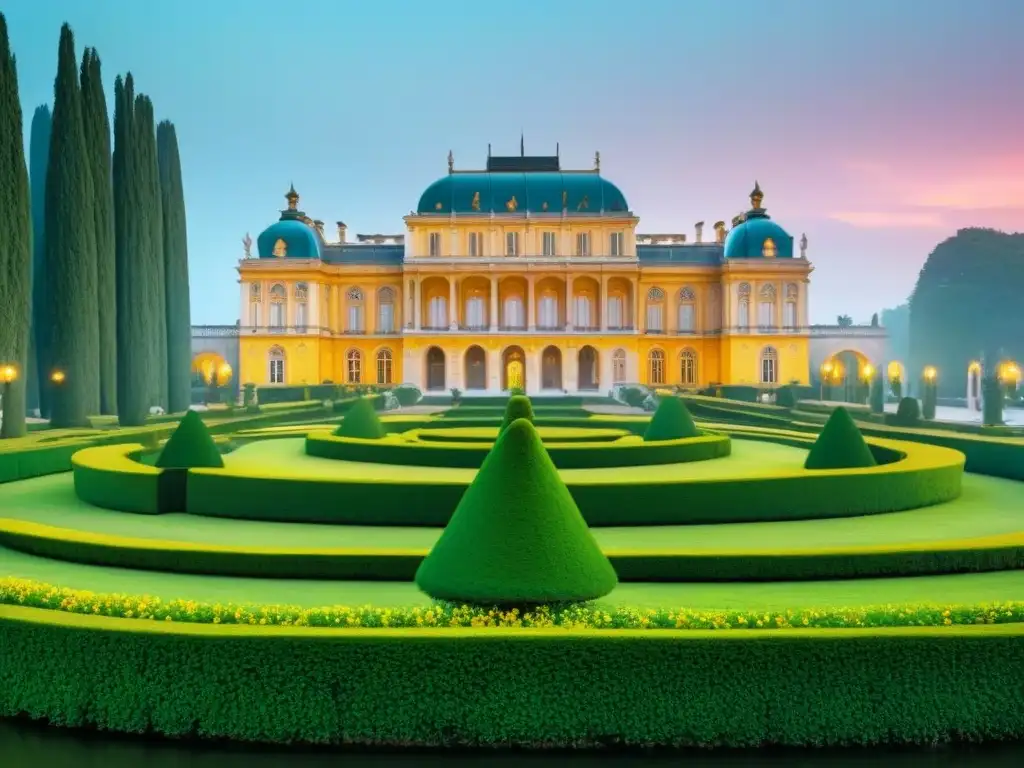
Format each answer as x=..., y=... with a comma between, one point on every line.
x=655, y=310
x=476, y=312
x=687, y=311
x=583, y=244
x=656, y=367
x=435, y=243
x=615, y=313
x=769, y=366
x=476, y=244
x=354, y=297
x=278, y=305
x=550, y=243
x=386, y=310
x=255, y=305
x=511, y=243
x=276, y=359
x=301, y=306
x=581, y=312
x=438, y=312
x=513, y=315
x=548, y=314
x=618, y=366
x=617, y=246
x=744, y=306
x=354, y=366
x=789, y=309
x=384, y=366
x=688, y=368
x=766, y=306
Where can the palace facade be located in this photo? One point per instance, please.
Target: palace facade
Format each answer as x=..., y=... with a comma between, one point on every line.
x=524, y=275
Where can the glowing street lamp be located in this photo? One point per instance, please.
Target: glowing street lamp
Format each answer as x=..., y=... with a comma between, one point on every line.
x=868, y=372
x=930, y=374
x=223, y=374
x=58, y=377
x=9, y=374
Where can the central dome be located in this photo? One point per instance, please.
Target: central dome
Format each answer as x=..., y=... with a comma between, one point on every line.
x=522, y=185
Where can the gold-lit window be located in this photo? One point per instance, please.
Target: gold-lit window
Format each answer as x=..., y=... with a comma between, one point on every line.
x=768, y=249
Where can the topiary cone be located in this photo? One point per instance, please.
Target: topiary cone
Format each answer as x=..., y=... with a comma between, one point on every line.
x=361, y=421
x=840, y=445
x=191, y=445
x=672, y=421
x=518, y=407
x=517, y=536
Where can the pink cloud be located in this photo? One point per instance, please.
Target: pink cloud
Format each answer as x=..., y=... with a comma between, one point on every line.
x=888, y=219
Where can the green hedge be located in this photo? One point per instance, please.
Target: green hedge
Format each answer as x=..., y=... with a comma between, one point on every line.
x=112, y=477
x=464, y=687
x=403, y=451
x=497, y=412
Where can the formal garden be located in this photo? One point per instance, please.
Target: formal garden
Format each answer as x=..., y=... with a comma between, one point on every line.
x=508, y=572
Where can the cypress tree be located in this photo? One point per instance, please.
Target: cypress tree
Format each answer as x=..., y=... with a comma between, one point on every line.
x=97, y=139
x=39, y=153
x=179, y=323
x=15, y=242
x=71, y=251
x=153, y=249
x=134, y=364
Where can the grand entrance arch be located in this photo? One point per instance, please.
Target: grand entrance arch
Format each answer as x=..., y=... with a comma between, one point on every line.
x=513, y=368
x=435, y=370
x=551, y=368
x=476, y=368
x=847, y=376
x=588, y=377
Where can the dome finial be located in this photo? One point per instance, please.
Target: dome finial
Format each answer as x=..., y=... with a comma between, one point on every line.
x=451, y=162
x=293, y=198
x=756, y=197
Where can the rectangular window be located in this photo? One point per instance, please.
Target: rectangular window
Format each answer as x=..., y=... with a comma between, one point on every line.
x=511, y=243
x=277, y=315
x=583, y=244
x=384, y=367
x=618, y=243
x=476, y=244
x=581, y=315
x=654, y=318
x=615, y=312
x=766, y=314
x=514, y=317
x=744, y=315
x=300, y=316
x=435, y=243
x=386, y=318
x=277, y=371
x=790, y=319
x=687, y=318
x=475, y=310
x=355, y=320
x=550, y=244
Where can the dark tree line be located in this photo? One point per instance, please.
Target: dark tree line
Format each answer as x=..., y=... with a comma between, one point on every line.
x=963, y=307
x=93, y=254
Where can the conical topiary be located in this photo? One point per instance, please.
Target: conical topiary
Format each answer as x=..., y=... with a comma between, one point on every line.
x=517, y=536
x=191, y=445
x=840, y=445
x=518, y=407
x=672, y=421
x=361, y=421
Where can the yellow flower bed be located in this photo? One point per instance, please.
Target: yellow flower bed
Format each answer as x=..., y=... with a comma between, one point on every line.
x=34, y=594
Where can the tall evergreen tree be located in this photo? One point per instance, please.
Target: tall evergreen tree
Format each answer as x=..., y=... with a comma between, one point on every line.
x=97, y=139
x=71, y=251
x=179, y=323
x=15, y=242
x=153, y=251
x=39, y=153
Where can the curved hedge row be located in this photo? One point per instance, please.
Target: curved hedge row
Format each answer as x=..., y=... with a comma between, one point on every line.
x=925, y=475
x=488, y=435
x=509, y=687
x=110, y=476
x=409, y=452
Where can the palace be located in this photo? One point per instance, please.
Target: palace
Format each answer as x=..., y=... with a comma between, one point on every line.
x=524, y=275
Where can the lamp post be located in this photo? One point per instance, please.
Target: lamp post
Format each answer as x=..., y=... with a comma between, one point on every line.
x=930, y=395
x=826, y=375
x=8, y=375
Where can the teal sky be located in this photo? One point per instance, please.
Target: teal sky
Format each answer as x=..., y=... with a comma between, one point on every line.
x=878, y=127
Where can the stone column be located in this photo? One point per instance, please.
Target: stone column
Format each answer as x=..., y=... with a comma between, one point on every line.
x=568, y=303
x=531, y=305
x=602, y=303
x=493, y=371
x=494, y=304
x=532, y=365
x=417, y=304
x=570, y=368
x=639, y=302
x=453, y=362
x=370, y=311
x=412, y=368
x=453, y=306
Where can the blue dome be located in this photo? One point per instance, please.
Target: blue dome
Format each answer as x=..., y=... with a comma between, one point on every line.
x=300, y=240
x=582, y=192
x=747, y=240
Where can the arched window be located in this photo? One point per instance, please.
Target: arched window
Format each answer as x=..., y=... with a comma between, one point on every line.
x=255, y=305
x=513, y=315
x=687, y=310
x=769, y=366
x=656, y=367
x=768, y=248
x=583, y=317
x=438, y=313
x=616, y=312
x=275, y=360
x=766, y=306
x=618, y=366
x=476, y=311
x=301, y=299
x=547, y=314
x=278, y=306
x=384, y=366
x=353, y=366
x=655, y=310
x=386, y=310
x=688, y=368
x=789, y=309
x=354, y=299
x=743, y=314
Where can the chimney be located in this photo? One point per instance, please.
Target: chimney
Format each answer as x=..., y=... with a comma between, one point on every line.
x=341, y=231
x=319, y=227
x=720, y=232
x=700, y=231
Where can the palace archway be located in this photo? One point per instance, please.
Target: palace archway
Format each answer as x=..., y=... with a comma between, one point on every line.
x=435, y=369
x=587, y=377
x=476, y=368
x=513, y=368
x=551, y=368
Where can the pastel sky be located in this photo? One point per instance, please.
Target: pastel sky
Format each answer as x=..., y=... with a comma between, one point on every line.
x=877, y=127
